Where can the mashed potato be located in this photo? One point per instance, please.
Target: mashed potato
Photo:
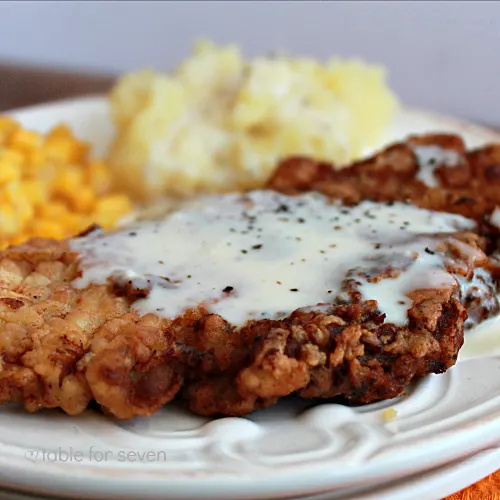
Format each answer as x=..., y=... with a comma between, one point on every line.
x=220, y=123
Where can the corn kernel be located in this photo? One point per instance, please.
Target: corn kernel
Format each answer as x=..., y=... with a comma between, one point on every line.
x=9, y=223
x=7, y=127
x=110, y=209
x=47, y=228
x=105, y=219
x=34, y=159
x=48, y=189
x=117, y=203
x=8, y=172
x=389, y=414
x=51, y=210
x=7, y=123
x=11, y=191
x=71, y=223
x=60, y=131
x=24, y=139
x=65, y=150
x=84, y=200
x=24, y=209
x=12, y=156
x=68, y=181
x=35, y=190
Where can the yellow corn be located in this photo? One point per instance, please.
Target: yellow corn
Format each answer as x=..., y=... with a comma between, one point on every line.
x=49, y=188
x=49, y=228
x=35, y=191
x=51, y=210
x=110, y=209
x=85, y=201
x=7, y=127
x=8, y=172
x=34, y=159
x=65, y=148
x=26, y=140
x=12, y=157
x=68, y=181
x=8, y=219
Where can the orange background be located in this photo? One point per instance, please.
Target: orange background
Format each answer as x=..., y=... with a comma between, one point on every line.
x=487, y=489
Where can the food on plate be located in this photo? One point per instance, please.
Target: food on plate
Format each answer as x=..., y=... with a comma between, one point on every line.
x=220, y=123
x=237, y=300
x=49, y=187
x=389, y=414
x=431, y=171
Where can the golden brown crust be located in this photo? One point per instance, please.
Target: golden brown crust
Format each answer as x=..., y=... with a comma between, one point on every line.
x=62, y=347
x=470, y=189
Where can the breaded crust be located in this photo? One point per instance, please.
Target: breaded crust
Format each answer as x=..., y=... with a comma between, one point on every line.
x=470, y=188
x=62, y=346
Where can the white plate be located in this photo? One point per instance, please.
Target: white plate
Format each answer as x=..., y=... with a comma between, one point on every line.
x=284, y=451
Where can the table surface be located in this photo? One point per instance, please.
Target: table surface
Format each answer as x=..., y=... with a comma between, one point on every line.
x=25, y=86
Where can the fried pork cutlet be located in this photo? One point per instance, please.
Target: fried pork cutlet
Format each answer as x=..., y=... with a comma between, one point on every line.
x=238, y=300
x=432, y=171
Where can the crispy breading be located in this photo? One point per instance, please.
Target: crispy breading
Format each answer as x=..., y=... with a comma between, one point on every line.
x=339, y=350
x=471, y=188
x=63, y=346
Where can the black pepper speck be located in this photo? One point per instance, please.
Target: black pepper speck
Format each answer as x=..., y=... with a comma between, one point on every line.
x=282, y=208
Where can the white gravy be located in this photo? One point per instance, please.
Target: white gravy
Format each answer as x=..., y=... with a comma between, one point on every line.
x=264, y=254
x=495, y=218
x=431, y=157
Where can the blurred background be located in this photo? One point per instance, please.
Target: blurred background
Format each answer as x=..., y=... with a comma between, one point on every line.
x=441, y=55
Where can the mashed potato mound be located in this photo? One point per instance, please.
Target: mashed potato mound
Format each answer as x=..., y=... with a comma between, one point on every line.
x=219, y=123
